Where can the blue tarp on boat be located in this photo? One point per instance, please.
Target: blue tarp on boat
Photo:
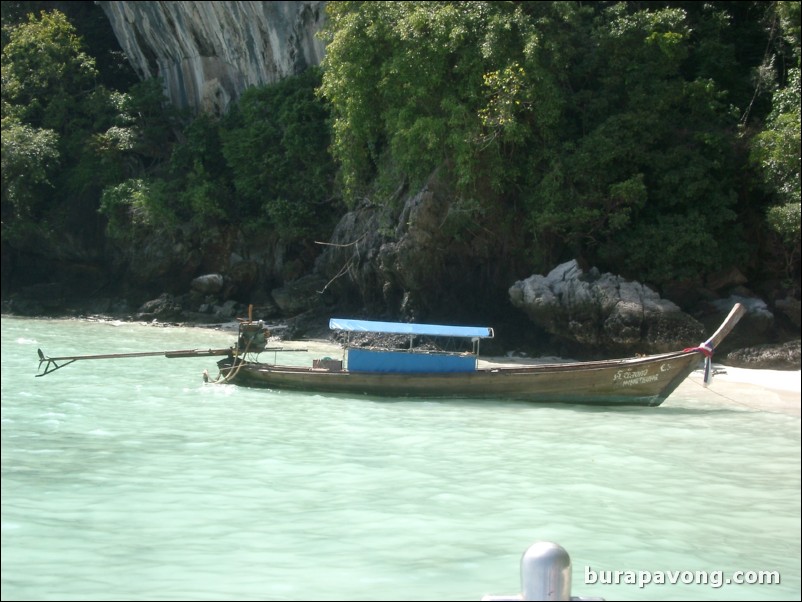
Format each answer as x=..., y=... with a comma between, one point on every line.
x=481, y=332
x=371, y=360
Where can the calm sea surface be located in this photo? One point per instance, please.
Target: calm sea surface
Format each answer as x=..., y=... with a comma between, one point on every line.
x=130, y=479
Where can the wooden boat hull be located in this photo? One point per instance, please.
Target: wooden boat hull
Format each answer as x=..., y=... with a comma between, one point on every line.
x=645, y=381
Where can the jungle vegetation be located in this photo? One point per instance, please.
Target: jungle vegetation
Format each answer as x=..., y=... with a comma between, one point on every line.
x=658, y=140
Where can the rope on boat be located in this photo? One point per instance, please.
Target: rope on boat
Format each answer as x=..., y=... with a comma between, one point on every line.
x=727, y=397
x=705, y=349
x=233, y=371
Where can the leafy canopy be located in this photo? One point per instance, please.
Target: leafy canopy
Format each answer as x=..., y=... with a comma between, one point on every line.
x=603, y=127
x=45, y=71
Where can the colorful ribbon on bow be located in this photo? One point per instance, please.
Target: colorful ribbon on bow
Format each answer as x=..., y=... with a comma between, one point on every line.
x=705, y=349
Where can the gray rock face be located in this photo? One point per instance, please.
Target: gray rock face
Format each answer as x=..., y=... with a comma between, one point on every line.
x=786, y=356
x=207, y=53
x=208, y=284
x=166, y=307
x=792, y=308
x=757, y=324
x=349, y=263
x=409, y=261
x=603, y=312
x=299, y=295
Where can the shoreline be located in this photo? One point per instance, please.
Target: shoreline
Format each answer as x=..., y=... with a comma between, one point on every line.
x=756, y=389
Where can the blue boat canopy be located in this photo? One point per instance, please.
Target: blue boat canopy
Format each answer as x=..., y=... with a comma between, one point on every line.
x=480, y=332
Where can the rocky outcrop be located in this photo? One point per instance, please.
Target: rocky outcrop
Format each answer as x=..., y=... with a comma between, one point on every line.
x=757, y=324
x=786, y=356
x=208, y=284
x=208, y=53
x=604, y=313
x=792, y=308
x=164, y=309
x=349, y=263
x=299, y=296
x=407, y=259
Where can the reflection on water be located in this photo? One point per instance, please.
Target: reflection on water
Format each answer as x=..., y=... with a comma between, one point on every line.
x=131, y=479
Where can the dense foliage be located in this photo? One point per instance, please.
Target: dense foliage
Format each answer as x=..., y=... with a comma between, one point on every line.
x=659, y=140
x=50, y=107
x=613, y=129
x=265, y=166
x=776, y=149
x=69, y=141
x=276, y=142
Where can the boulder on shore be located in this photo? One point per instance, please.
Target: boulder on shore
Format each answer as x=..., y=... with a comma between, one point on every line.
x=603, y=313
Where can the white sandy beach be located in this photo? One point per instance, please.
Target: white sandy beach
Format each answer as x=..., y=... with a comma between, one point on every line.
x=764, y=390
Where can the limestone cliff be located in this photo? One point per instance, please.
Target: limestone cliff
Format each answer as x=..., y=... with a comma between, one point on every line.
x=207, y=53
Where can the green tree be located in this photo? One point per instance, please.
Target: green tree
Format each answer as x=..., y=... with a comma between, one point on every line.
x=600, y=125
x=48, y=101
x=54, y=107
x=198, y=179
x=29, y=157
x=643, y=185
x=45, y=72
x=276, y=144
x=417, y=85
x=135, y=152
x=136, y=206
x=776, y=149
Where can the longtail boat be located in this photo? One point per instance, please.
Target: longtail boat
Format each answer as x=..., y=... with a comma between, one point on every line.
x=424, y=373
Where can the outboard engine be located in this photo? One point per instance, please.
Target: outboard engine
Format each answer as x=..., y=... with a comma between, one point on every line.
x=252, y=337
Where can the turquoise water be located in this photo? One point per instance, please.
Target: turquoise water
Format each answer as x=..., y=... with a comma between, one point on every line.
x=131, y=479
